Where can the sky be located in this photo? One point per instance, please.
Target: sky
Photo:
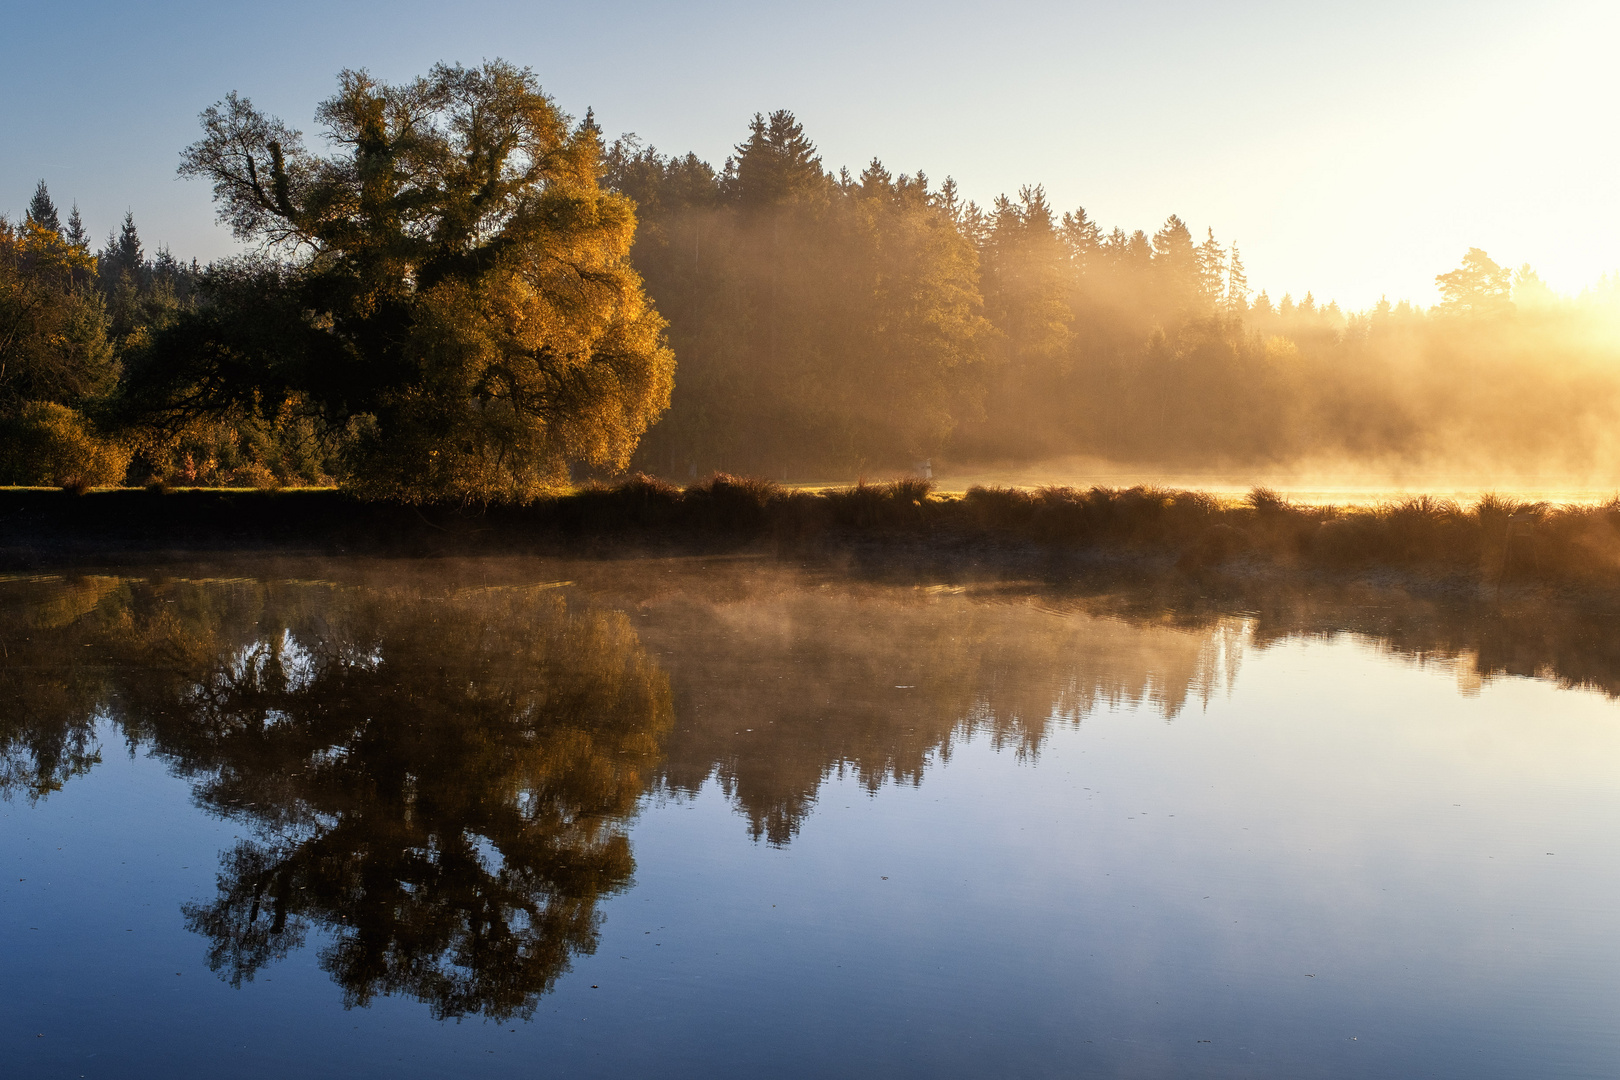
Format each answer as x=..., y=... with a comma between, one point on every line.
x=1354, y=151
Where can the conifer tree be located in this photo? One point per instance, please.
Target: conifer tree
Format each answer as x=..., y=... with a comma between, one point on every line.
x=1212, y=271
x=1237, y=284
x=127, y=252
x=77, y=235
x=1176, y=265
x=1083, y=238
x=42, y=211
x=776, y=164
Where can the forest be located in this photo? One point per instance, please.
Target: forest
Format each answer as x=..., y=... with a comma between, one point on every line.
x=473, y=296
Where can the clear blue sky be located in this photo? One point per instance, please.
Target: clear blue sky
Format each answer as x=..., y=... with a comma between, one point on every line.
x=1352, y=150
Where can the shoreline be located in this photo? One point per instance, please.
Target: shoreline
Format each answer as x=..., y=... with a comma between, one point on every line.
x=1496, y=543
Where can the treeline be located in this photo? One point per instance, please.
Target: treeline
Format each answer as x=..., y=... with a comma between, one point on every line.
x=828, y=324
x=74, y=319
x=431, y=312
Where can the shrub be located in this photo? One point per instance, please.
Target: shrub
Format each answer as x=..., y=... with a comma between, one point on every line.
x=49, y=444
x=252, y=475
x=732, y=503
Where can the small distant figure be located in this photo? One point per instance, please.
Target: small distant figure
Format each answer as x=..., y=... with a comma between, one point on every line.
x=924, y=468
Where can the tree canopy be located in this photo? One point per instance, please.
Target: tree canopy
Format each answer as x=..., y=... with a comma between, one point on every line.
x=448, y=291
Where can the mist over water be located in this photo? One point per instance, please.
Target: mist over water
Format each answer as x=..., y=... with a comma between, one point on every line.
x=1337, y=483
x=724, y=817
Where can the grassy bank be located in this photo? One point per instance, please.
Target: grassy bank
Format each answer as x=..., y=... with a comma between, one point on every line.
x=1493, y=540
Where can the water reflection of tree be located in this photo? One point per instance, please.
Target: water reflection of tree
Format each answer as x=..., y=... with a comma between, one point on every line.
x=445, y=787
x=442, y=784
x=52, y=681
x=782, y=684
x=439, y=779
x=778, y=692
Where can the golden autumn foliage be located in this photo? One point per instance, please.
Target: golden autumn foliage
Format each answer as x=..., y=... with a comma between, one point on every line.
x=449, y=293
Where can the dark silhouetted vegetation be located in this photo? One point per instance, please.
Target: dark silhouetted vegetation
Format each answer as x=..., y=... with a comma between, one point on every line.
x=1495, y=541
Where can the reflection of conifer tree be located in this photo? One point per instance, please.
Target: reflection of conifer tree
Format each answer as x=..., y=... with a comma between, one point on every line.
x=51, y=686
x=881, y=686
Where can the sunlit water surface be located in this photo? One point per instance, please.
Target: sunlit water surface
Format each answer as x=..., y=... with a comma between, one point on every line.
x=718, y=819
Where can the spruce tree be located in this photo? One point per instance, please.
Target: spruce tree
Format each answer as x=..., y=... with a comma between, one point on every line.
x=77, y=235
x=1175, y=265
x=42, y=211
x=776, y=164
x=127, y=252
x=1237, y=284
x=1084, y=239
x=1211, y=271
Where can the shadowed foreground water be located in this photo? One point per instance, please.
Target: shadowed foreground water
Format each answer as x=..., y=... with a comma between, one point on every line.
x=711, y=818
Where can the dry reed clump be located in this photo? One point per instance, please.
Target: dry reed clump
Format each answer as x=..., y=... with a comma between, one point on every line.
x=731, y=504
x=1130, y=517
x=899, y=504
x=1000, y=509
x=639, y=502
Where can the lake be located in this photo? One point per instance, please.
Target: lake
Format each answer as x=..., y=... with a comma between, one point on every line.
x=726, y=817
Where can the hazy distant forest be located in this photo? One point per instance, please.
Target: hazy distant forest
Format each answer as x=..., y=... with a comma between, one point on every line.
x=472, y=295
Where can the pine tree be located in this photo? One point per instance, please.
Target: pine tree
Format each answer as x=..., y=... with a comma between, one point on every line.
x=1237, y=284
x=1023, y=278
x=1176, y=265
x=1211, y=270
x=127, y=251
x=77, y=235
x=1083, y=238
x=42, y=211
x=776, y=164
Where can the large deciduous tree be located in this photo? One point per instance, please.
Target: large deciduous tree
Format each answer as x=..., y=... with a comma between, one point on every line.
x=449, y=289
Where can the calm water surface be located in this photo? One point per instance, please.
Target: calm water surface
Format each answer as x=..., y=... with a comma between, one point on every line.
x=696, y=818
